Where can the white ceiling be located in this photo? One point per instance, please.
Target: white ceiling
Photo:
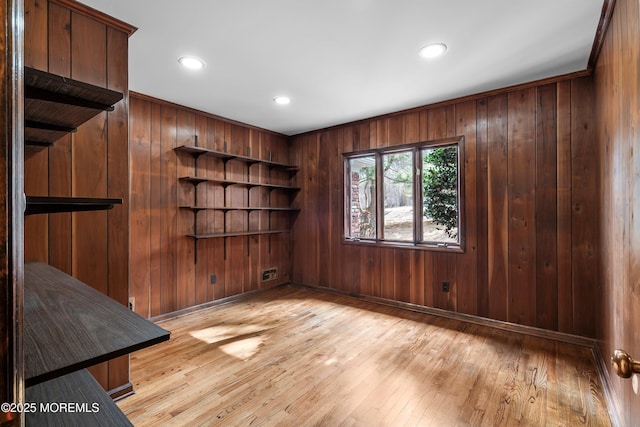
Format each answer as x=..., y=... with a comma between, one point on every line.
x=343, y=60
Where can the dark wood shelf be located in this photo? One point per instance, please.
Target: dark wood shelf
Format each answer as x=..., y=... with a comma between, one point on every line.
x=45, y=204
x=199, y=151
x=238, y=208
x=236, y=234
x=69, y=326
x=97, y=408
x=196, y=180
x=56, y=105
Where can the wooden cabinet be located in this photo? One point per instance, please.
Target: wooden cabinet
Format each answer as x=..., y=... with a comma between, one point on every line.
x=225, y=182
x=69, y=326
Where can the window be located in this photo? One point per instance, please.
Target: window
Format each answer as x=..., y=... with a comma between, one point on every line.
x=362, y=194
x=397, y=176
x=406, y=195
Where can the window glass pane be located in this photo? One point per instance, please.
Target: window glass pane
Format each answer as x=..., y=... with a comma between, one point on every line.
x=398, y=196
x=363, y=197
x=440, y=194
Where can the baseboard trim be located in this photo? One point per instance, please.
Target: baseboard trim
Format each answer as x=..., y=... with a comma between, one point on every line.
x=121, y=392
x=497, y=324
x=603, y=371
x=233, y=298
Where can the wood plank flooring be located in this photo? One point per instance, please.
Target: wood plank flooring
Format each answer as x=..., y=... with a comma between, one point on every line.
x=297, y=357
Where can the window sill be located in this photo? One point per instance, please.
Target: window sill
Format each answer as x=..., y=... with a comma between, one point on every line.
x=405, y=245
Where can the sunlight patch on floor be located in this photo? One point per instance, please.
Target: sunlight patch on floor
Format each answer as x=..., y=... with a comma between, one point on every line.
x=243, y=349
x=239, y=341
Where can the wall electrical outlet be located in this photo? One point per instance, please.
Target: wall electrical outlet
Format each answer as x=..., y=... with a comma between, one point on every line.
x=132, y=303
x=269, y=274
x=213, y=279
x=445, y=286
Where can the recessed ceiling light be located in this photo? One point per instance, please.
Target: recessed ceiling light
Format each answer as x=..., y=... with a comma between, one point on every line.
x=433, y=50
x=191, y=62
x=282, y=100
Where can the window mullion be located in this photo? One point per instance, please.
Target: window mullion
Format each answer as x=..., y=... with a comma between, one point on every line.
x=379, y=198
x=417, y=196
x=346, y=211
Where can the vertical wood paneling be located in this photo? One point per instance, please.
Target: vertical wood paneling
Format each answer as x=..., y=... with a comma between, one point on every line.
x=168, y=210
x=59, y=40
x=564, y=280
x=387, y=273
x=257, y=197
x=89, y=151
x=118, y=186
x=140, y=197
x=522, y=232
x=546, y=209
x=36, y=163
x=235, y=220
x=35, y=34
x=336, y=199
x=323, y=197
x=482, y=141
x=185, y=268
x=584, y=234
x=311, y=204
x=93, y=162
x=402, y=275
x=519, y=260
x=89, y=169
x=497, y=208
x=171, y=279
x=202, y=279
x=155, y=195
x=219, y=245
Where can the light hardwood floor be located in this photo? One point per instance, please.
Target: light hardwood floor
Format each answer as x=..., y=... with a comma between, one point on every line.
x=296, y=357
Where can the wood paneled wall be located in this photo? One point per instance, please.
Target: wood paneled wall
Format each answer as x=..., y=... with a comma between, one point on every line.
x=617, y=100
x=68, y=39
x=530, y=182
x=165, y=276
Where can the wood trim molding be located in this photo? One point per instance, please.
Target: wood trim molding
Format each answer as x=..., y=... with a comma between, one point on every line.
x=602, y=369
x=121, y=392
x=96, y=14
x=482, y=321
x=601, y=31
x=221, y=301
x=159, y=101
x=460, y=100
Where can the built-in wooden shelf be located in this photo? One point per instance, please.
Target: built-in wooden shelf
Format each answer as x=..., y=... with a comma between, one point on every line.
x=195, y=180
x=236, y=234
x=199, y=151
x=70, y=326
x=45, y=204
x=238, y=208
x=195, y=151
x=56, y=105
x=96, y=407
